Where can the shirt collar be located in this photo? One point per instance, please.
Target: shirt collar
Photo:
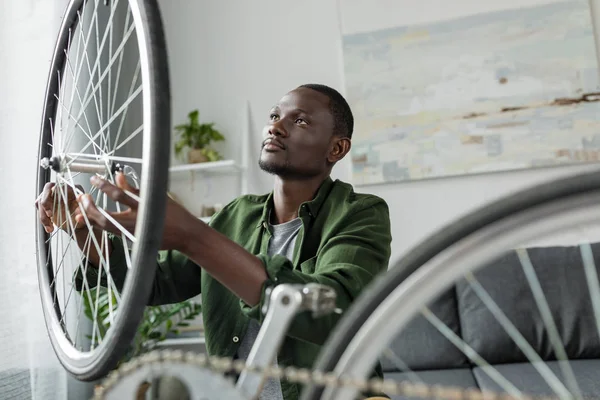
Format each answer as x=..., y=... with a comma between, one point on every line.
x=310, y=208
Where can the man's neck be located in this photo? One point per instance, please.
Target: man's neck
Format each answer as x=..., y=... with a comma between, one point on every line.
x=288, y=195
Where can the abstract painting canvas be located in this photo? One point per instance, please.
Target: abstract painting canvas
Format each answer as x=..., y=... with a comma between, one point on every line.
x=499, y=91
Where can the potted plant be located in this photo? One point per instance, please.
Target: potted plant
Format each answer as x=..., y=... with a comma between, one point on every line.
x=197, y=137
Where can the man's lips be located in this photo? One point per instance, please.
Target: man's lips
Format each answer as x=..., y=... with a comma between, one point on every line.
x=273, y=143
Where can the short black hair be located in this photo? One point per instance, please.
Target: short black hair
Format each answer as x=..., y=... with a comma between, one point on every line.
x=343, y=120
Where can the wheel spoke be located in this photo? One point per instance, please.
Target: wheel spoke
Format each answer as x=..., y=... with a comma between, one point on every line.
x=75, y=75
x=87, y=122
x=471, y=354
x=131, y=136
x=79, y=68
x=401, y=365
x=92, y=141
x=121, y=123
x=591, y=276
x=117, y=79
x=103, y=76
x=121, y=109
x=546, y=314
x=551, y=379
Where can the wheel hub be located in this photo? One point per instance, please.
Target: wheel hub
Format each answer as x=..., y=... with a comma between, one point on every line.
x=66, y=163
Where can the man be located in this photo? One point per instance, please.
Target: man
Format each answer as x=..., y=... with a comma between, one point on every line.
x=308, y=229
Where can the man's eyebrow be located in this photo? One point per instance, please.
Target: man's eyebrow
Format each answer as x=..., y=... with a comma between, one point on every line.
x=276, y=108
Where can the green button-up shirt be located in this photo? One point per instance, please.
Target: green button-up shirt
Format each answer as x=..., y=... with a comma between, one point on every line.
x=344, y=242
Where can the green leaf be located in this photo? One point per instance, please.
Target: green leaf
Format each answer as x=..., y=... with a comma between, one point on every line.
x=154, y=335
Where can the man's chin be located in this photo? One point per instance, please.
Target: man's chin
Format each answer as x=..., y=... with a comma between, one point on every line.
x=272, y=168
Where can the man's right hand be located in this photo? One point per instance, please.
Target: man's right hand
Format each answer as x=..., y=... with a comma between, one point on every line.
x=51, y=213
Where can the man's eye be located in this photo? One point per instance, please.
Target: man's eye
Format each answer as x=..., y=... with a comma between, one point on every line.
x=300, y=121
x=273, y=117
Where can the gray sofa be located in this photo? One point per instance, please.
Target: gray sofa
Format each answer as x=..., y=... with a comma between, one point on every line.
x=434, y=360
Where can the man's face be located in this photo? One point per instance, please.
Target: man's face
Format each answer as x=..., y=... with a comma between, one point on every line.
x=297, y=138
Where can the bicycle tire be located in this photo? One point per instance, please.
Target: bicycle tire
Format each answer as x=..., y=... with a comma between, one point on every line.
x=427, y=249
x=154, y=181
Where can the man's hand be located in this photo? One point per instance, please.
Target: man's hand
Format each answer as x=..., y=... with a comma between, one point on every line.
x=177, y=218
x=56, y=205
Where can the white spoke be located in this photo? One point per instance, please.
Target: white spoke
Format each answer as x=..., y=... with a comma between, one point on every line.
x=59, y=117
x=79, y=68
x=123, y=107
x=75, y=75
x=121, y=123
x=123, y=237
x=82, y=268
x=471, y=354
x=52, y=133
x=87, y=62
x=108, y=276
x=60, y=247
x=536, y=361
x=101, y=47
x=98, y=58
x=401, y=365
x=95, y=315
x=110, y=47
x=61, y=90
x=117, y=80
x=117, y=224
x=79, y=125
x=103, y=262
x=591, y=276
x=95, y=87
x=131, y=136
x=546, y=314
x=87, y=122
x=73, y=239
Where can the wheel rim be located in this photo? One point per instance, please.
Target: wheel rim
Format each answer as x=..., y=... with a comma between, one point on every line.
x=443, y=270
x=101, y=114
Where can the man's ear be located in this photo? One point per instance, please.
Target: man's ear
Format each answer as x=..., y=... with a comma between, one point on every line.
x=340, y=146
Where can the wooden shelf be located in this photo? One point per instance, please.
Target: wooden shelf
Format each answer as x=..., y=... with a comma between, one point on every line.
x=214, y=166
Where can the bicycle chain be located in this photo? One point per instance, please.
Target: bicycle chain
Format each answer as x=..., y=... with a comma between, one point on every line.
x=224, y=365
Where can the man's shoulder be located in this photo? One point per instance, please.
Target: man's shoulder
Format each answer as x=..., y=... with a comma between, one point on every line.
x=248, y=202
x=343, y=194
x=240, y=211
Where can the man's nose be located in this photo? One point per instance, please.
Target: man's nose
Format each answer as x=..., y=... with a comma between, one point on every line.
x=277, y=129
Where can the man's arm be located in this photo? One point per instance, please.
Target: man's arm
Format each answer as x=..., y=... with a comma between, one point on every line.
x=176, y=279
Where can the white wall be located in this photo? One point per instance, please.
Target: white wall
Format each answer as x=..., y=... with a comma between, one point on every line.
x=224, y=53
x=28, y=30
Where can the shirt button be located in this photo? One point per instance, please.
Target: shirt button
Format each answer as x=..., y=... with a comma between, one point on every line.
x=236, y=339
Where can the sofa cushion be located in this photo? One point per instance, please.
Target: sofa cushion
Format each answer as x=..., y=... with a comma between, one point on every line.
x=420, y=346
x=562, y=278
x=527, y=379
x=459, y=378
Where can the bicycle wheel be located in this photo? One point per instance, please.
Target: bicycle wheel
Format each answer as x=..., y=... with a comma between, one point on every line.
x=106, y=109
x=447, y=256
